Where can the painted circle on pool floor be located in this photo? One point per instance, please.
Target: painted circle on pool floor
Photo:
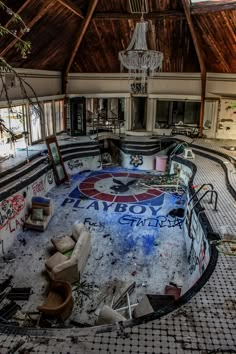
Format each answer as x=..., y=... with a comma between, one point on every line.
x=119, y=187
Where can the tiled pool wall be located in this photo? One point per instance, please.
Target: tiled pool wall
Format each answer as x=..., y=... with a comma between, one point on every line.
x=196, y=227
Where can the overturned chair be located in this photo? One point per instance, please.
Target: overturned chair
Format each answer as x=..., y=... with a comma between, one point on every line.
x=70, y=268
x=59, y=302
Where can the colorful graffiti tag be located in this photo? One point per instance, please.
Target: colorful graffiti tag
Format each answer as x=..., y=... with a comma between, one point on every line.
x=10, y=208
x=38, y=187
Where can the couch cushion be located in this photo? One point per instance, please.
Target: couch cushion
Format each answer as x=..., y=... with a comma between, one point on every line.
x=56, y=259
x=63, y=244
x=37, y=214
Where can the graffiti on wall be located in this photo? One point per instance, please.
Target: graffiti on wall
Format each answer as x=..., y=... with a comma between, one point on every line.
x=50, y=177
x=38, y=187
x=75, y=163
x=197, y=249
x=10, y=208
x=136, y=160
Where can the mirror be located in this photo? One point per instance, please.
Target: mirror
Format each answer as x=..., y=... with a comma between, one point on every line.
x=57, y=161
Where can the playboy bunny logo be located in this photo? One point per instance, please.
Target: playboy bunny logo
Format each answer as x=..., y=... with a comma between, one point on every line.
x=121, y=187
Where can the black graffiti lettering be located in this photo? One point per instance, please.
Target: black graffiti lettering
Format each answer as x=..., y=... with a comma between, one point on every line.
x=152, y=222
x=159, y=221
x=129, y=220
x=97, y=226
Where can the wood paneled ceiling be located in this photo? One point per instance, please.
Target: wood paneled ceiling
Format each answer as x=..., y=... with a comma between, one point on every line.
x=55, y=27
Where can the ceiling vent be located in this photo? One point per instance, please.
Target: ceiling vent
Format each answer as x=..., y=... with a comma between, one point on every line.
x=138, y=6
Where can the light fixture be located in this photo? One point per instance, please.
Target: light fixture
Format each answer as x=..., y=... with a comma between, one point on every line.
x=138, y=60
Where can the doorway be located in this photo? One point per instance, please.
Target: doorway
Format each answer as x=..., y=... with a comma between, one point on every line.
x=139, y=110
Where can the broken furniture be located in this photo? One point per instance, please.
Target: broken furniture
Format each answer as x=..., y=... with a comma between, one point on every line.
x=107, y=315
x=19, y=294
x=151, y=303
x=59, y=302
x=40, y=214
x=8, y=311
x=61, y=267
x=173, y=290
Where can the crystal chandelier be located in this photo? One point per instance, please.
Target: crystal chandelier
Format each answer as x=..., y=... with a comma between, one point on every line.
x=138, y=60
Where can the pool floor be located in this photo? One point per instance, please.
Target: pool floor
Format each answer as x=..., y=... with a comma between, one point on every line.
x=137, y=237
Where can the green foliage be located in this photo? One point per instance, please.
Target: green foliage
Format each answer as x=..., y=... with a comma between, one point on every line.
x=22, y=46
x=82, y=289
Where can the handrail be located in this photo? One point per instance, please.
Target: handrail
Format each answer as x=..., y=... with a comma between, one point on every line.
x=203, y=185
x=191, y=212
x=177, y=147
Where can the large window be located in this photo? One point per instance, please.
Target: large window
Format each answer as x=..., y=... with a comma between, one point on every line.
x=170, y=113
x=48, y=117
x=13, y=119
x=59, y=115
x=35, y=122
x=104, y=113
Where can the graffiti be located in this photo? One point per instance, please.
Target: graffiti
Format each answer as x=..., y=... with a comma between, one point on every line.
x=75, y=164
x=136, y=160
x=198, y=259
x=183, y=170
x=50, y=177
x=93, y=225
x=37, y=187
x=17, y=223
x=120, y=186
x=157, y=222
x=9, y=208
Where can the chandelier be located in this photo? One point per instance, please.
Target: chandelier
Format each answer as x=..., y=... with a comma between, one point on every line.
x=138, y=60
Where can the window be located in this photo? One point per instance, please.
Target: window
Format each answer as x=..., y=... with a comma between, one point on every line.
x=169, y=113
x=13, y=119
x=48, y=118
x=35, y=122
x=59, y=115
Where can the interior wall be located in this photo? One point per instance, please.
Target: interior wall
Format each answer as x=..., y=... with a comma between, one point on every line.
x=226, y=123
x=165, y=85
x=42, y=82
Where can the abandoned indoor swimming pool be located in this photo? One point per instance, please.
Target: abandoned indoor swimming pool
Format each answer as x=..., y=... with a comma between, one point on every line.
x=149, y=241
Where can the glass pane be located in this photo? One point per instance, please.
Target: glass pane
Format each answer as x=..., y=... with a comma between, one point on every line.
x=59, y=105
x=178, y=112
x=192, y=112
x=13, y=119
x=48, y=118
x=162, y=114
x=35, y=122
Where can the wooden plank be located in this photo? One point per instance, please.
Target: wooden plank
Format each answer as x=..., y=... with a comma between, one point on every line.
x=186, y=6
x=40, y=14
x=72, y=7
x=115, y=16
x=212, y=6
x=82, y=30
x=18, y=12
x=101, y=41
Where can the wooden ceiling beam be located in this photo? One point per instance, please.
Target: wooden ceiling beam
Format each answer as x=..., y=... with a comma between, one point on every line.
x=186, y=6
x=30, y=24
x=82, y=31
x=18, y=12
x=72, y=7
x=212, y=6
x=115, y=16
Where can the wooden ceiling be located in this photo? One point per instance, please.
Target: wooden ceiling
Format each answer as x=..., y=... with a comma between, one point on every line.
x=69, y=35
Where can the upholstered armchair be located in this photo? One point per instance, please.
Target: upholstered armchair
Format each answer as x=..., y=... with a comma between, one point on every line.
x=70, y=268
x=40, y=214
